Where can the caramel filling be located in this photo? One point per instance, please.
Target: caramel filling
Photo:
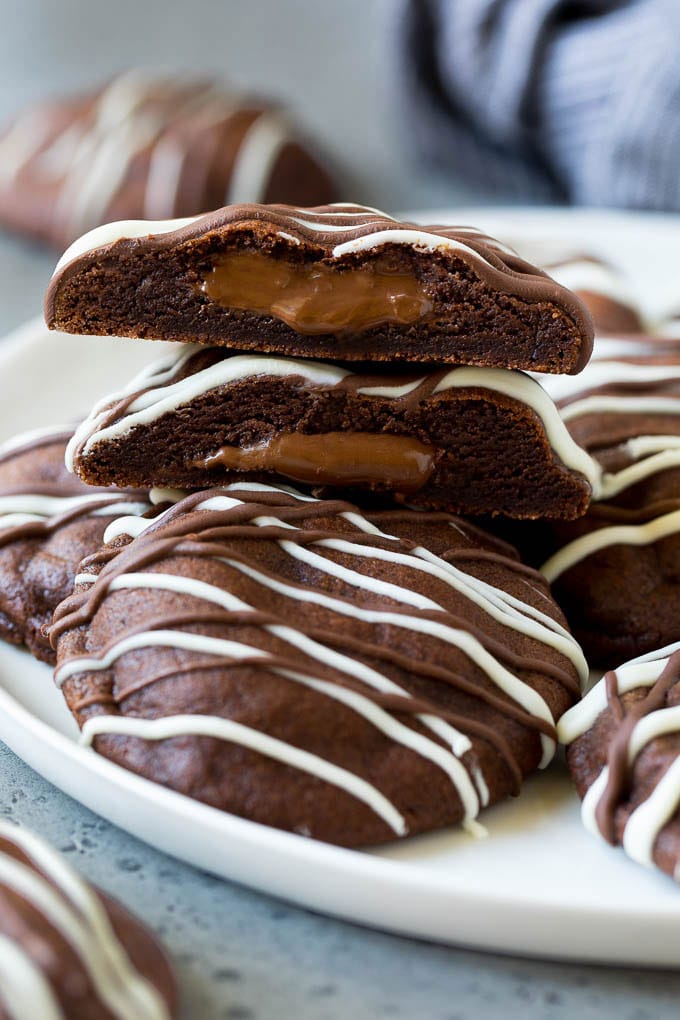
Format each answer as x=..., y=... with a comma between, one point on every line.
x=334, y=458
x=317, y=297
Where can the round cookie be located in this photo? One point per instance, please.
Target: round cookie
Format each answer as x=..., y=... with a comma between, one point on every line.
x=49, y=521
x=150, y=146
x=68, y=952
x=354, y=677
x=624, y=755
x=616, y=571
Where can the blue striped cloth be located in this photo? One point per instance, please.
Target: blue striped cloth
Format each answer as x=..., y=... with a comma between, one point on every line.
x=547, y=100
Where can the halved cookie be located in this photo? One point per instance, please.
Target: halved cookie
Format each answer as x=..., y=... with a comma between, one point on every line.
x=468, y=440
x=339, y=281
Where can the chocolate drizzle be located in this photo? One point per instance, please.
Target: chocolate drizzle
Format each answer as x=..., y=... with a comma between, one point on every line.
x=65, y=949
x=201, y=528
x=628, y=727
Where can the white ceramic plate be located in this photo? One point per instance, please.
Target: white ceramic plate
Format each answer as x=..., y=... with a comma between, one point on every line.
x=538, y=884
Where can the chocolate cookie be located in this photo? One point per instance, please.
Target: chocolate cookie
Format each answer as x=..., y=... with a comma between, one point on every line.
x=468, y=440
x=339, y=281
x=150, y=146
x=49, y=521
x=604, y=290
x=624, y=755
x=68, y=952
x=351, y=677
x=616, y=571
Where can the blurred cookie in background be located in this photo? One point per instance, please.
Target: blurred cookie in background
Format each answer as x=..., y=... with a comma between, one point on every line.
x=604, y=290
x=69, y=952
x=150, y=146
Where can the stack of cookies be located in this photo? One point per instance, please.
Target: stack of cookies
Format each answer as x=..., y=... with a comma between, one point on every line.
x=300, y=631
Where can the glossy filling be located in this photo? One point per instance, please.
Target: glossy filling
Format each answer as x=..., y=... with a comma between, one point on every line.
x=334, y=458
x=317, y=297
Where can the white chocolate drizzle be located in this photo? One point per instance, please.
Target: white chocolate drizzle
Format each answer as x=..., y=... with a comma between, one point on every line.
x=158, y=394
x=24, y=989
x=646, y=821
x=465, y=774
x=619, y=534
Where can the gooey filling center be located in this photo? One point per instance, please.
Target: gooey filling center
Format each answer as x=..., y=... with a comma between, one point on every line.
x=334, y=458
x=318, y=297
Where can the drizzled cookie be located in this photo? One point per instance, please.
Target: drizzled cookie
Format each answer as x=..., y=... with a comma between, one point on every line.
x=616, y=571
x=152, y=146
x=49, y=521
x=68, y=952
x=624, y=754
x=468, y=440
x=351, y=676
x=341, y=281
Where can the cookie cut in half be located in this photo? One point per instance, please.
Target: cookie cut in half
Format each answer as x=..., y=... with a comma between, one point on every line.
x=624, y=755
x=468, y=440
x=49, y=521
x=354, y=677
x=339, y=281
